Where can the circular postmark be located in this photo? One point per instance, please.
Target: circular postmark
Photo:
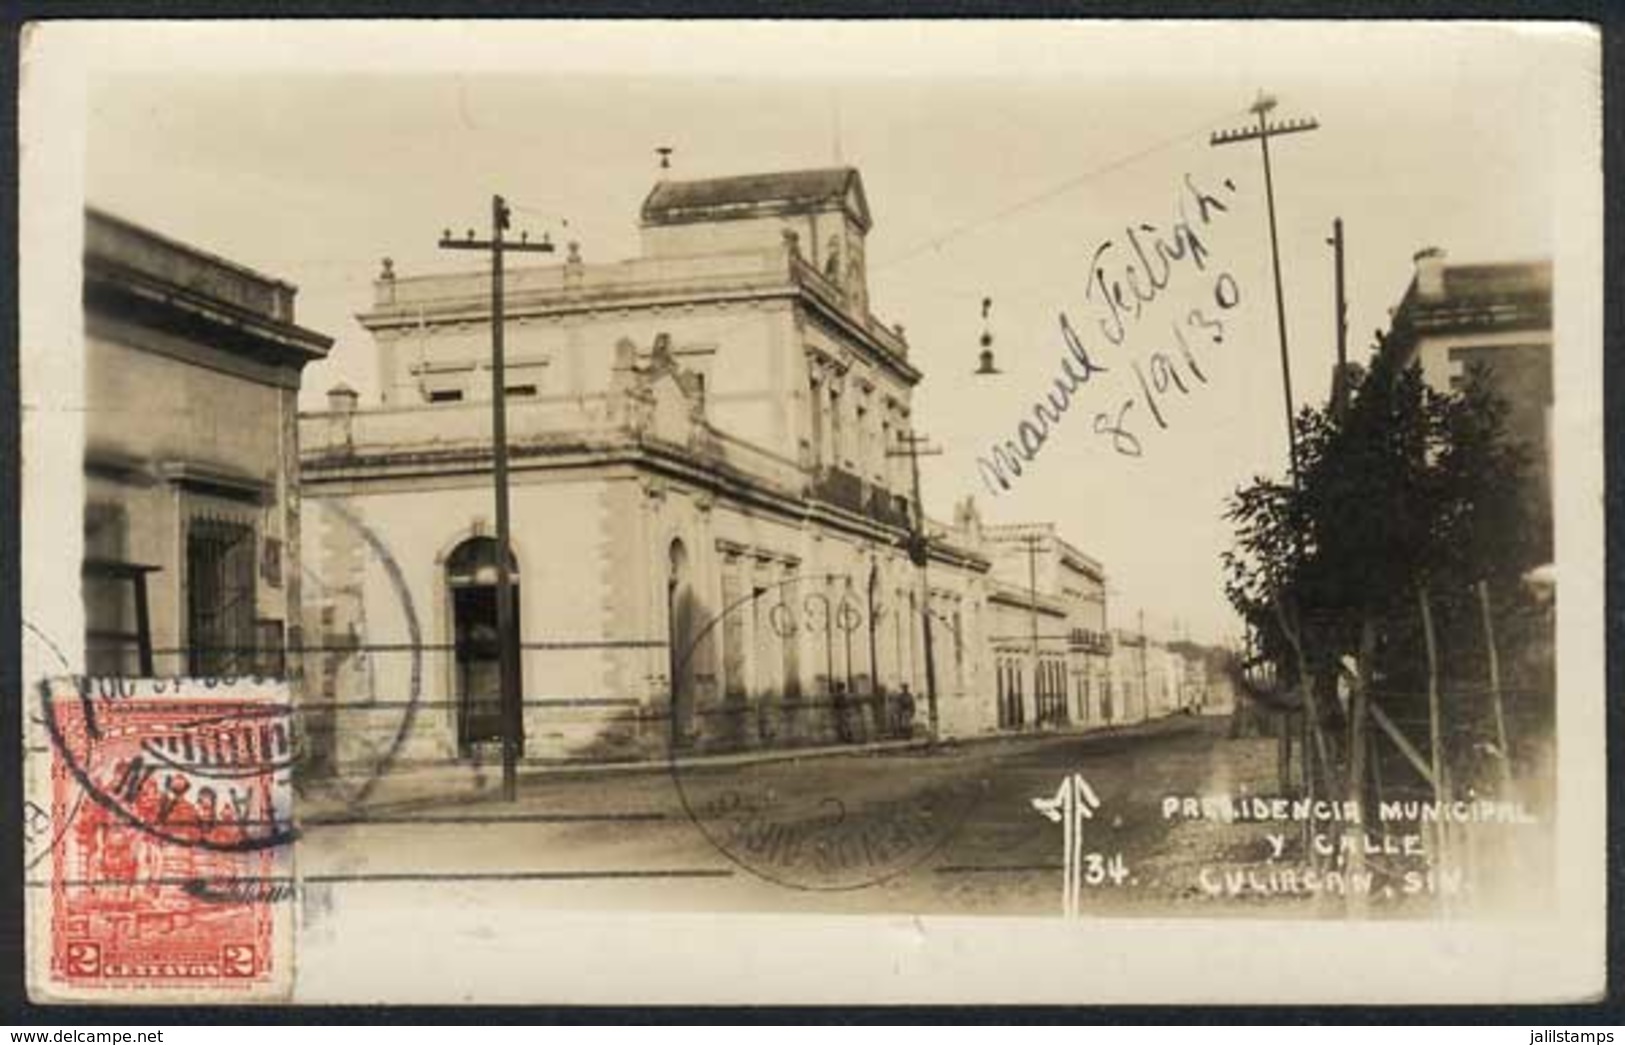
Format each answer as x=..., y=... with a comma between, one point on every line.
x=194, y=761
x=875, y=802
x=44, y=827
x=354, y=732
x=201, y=763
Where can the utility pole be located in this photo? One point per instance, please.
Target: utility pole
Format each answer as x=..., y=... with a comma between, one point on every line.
x=1340, y=388
x=1032, y=540
x=507, y=634
x=1145, y=681
x=920, y=552
x=1263, y=133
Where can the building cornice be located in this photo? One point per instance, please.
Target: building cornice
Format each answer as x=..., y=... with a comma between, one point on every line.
x=553, y=303
x=839, y=322
x=520, y=305
x=122, y=292
x=573, y=454
x=1007, y=594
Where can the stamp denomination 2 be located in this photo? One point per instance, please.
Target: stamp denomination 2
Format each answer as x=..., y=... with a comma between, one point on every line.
x=181, y=785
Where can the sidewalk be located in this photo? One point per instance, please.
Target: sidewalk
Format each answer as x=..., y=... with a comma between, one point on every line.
x=420, y=787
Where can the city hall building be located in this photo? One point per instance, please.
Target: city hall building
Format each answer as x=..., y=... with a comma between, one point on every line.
x=711, y=502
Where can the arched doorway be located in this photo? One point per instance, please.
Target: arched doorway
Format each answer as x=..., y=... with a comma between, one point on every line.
x=680, y=624
x=471, y=579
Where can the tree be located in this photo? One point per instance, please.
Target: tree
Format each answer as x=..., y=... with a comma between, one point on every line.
x=1412, y=490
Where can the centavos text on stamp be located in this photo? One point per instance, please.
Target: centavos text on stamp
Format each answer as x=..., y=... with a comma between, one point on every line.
x=184, y=797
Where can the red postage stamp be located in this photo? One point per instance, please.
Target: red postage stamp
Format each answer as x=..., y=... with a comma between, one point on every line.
x=172, y=872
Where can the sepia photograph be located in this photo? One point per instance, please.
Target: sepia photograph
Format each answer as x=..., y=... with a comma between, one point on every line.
x=827, y=511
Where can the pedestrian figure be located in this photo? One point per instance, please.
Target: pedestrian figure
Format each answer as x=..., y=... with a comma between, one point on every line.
x=843, y=723
x=905, y=712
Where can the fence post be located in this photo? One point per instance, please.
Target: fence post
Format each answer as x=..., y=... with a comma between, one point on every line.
x=1495, y=690
x=1357, y=759
x=1283, y=751
x=1435, y=730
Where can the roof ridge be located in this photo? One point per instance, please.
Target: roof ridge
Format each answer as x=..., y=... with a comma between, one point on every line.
x=675, y=200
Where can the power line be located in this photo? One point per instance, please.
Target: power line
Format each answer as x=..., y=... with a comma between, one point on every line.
x=540, y=212
x=962, y=229
x=1003, y=213
x=1056, y=190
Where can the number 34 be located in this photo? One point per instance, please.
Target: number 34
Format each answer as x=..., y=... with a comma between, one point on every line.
x=1099, y=869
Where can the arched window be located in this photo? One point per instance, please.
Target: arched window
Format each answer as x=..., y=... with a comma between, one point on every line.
x=471, y=580
x=815, y=433
x=873, y=611
x=837, y=443
x=681, y=621
x=474, y=562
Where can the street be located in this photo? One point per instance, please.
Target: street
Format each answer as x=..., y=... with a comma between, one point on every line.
x=636, y=840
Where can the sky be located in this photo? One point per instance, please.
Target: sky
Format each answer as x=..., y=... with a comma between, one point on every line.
x=997, y=159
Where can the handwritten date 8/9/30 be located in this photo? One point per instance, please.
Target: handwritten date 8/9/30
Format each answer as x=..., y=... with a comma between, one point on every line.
x=1172, y=371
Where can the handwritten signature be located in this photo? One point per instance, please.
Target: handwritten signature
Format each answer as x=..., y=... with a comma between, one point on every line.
x=1125, y=277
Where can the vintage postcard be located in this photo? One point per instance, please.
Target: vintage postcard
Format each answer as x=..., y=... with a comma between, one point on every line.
x=812, y=512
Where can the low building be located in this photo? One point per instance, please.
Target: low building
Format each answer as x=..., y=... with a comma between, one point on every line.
x=1150, y=678
x=192, y=373
x=1206, y=682
x=712, y=500
x=1220, y=695
x=1048, y=638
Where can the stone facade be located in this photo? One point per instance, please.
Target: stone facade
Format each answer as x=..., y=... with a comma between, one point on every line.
x=192, y=542
x=710, y=509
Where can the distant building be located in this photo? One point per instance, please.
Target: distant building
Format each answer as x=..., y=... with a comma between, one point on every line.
x=711, y=500
x=1497, y=316
x=1149, y=677
x=192, y=371
x=1207, y=684
x=1048, y=639
x=1219, y=694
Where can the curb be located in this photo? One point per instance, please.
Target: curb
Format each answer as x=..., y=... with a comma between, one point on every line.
x=429, y=782
x=428, y=777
